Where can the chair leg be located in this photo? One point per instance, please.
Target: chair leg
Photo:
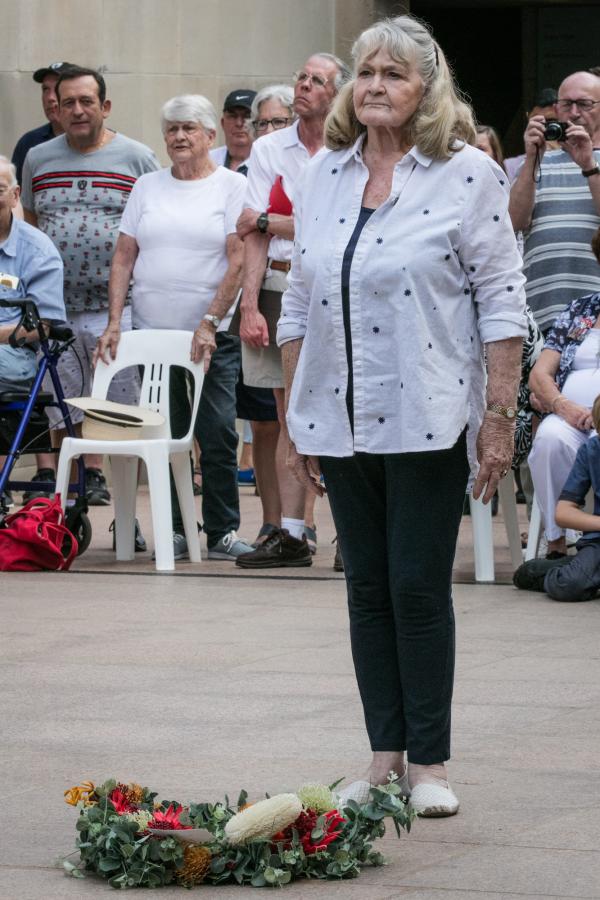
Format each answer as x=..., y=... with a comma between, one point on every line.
x=63, y=473
x=508, y=501
x=180, y=464
x=483, y=539
x=157, y=465
x=124, y=477
x=535, y=531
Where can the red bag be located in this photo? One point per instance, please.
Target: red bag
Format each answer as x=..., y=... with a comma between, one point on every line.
x=36, y=538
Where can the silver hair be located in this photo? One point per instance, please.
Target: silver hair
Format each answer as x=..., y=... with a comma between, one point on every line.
x=282, y=93
x=189, y=108
x=344, y=73
x=6, y=163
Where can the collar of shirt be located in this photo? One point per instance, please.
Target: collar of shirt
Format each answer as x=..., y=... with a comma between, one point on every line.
x=9, y=247
x=355, y=152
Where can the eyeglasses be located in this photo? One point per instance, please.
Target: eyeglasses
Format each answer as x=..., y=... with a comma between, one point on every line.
x=277, y=122
x=306, y=78
x=565, y=105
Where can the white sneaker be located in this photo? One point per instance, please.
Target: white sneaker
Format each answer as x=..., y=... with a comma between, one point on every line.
x=229, y=547
x=433, y=800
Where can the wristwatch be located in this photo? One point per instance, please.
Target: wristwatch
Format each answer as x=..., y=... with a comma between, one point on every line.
x=214, y=320
x=509, y=412
x=262, y=223
x=587, y=173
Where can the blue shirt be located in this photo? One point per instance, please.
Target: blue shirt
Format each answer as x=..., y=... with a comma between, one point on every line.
x=24, y=144
x=32, y=257
x=584, y=475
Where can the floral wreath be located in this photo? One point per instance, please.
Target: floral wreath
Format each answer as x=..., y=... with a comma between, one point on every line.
x=132, y=839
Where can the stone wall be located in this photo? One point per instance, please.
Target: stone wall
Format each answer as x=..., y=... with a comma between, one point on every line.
x=150, y=50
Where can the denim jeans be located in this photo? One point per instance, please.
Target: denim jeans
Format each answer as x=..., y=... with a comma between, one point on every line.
x=216, y=434
x=397, y=518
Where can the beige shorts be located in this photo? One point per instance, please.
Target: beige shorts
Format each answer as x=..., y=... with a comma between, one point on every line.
x=262, y=368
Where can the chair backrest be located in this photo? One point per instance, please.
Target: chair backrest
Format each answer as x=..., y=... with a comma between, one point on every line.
x=156, y=350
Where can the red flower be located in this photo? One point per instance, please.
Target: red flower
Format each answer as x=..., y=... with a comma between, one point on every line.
x=168, y=820
x=120, y=802
x=304, y=825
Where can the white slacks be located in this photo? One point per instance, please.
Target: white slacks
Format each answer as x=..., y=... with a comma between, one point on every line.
x=552, y=456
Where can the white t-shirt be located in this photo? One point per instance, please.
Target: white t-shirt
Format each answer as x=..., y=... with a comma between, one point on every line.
x=180, y=228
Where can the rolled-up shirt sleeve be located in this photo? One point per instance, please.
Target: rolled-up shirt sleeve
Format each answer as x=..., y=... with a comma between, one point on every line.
x=296, y=299
x=260, y=180
x=489, y=255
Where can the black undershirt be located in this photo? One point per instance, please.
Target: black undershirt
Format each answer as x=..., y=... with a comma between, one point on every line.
x=365, y=214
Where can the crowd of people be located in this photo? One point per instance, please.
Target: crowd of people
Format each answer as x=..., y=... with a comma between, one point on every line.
x=393, y=306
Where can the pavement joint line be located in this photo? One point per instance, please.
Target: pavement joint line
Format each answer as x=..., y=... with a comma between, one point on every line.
x=463, y=892
x=501, y=844
x=269, y=577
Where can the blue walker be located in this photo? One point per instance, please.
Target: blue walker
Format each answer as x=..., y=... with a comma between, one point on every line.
x=24, y=426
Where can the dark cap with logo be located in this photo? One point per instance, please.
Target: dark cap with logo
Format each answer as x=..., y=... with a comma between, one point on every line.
x=241, y=97
x=55, y=68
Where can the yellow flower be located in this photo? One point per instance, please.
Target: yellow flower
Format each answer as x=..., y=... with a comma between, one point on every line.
x=196, y=865
x=263, y=819
x=84, y=792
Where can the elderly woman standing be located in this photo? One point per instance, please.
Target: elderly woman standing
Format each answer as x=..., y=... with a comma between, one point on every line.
x=405, y=268
x=177, y=240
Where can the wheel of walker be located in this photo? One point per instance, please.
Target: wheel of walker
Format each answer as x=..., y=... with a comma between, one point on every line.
x=81, y=527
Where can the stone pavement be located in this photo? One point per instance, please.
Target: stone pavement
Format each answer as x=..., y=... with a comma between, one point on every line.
x=206, y=681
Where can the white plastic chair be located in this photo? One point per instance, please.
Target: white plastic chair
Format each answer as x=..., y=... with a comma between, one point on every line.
x=157, y=351
x=536, y=525
x=483, y=533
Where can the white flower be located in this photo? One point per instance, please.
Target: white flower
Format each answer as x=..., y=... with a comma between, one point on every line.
x=142, y=817
x=263, y=819
x=317, y=797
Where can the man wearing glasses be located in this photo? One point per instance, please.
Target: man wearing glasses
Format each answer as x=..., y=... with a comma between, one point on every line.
x=235, y=123
x=276, y=161
x=555, y=201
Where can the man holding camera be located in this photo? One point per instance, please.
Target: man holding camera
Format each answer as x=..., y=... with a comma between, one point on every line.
x=555, y=199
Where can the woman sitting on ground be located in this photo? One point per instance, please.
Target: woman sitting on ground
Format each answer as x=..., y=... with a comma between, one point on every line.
x=566, y=381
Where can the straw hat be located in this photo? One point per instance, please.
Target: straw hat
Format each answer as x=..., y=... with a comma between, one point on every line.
x=104, y=420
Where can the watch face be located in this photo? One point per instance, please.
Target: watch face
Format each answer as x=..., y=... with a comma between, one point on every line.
x=510, y=412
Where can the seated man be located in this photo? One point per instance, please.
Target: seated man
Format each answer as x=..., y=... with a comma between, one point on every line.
x=573, y=577
x=30, y=266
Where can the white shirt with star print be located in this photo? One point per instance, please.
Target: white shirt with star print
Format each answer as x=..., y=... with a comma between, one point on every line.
x=436, y=274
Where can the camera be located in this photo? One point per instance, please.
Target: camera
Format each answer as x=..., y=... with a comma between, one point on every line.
x=555, y=130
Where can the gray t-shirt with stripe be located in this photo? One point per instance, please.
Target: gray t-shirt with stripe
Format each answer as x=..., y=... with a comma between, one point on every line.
x=558, y=262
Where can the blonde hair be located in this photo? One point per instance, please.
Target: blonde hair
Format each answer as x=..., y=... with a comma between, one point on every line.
x=442, y=119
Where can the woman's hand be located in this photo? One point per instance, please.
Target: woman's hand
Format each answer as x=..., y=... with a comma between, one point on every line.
x=204, y=344
x=577, y=416
x=107, y=343
x=495, y=448
x=306, y=469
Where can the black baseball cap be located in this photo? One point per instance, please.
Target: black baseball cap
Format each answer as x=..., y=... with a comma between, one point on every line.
x=55, y=68
x=242, y=97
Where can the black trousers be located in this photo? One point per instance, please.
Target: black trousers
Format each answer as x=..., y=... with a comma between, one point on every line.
x=397, y=518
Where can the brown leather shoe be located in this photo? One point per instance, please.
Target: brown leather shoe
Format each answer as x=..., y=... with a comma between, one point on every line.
x=280, y=550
